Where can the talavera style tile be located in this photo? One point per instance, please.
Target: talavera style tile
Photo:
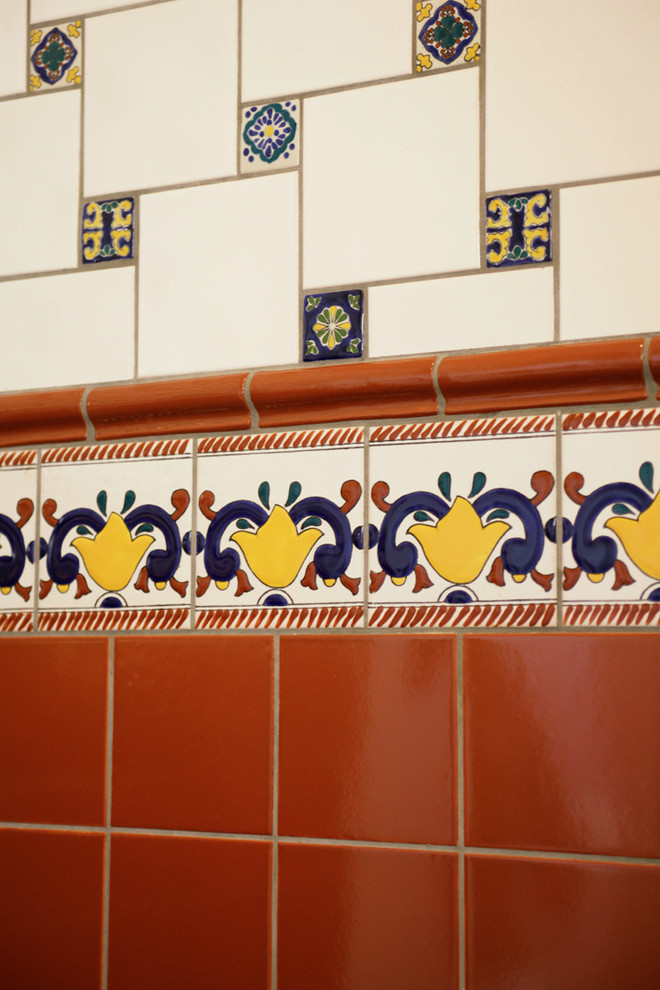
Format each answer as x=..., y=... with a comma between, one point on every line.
x=518, y=229
x=55, y=56
x=447, y=34
x=18, y=495
x=13, y=31
x=107, y=230
x=460, y=521
x=270, y=137
x=332, y=324
x=116, y=519
x=281, y=530
x=611, y=510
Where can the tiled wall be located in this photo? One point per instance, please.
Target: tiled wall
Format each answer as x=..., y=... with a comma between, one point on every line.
x=329, y=508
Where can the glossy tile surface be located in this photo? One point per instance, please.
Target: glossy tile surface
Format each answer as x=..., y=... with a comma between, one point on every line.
x=56, y=56
x=188, y=912
x=51, y=909
x=192, y=733
x=534, y=924
x=13, y=29
x=332, y=324
x=561, y=747
x=53, y=707
x=18, y=498
x=270, y=136
x=367, y=738
x=447, y=34
x=107, y=230
x=519, y=229
x=366, y=919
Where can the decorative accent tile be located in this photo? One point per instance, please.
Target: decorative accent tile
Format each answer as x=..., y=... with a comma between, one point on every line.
x=107, y=230
x=282, y=530
x=447, y=34
x=612, y=518
x=518, y=229
x=55, y=56
x=482, y=549
x=18, y=492
x=333, y=325
x=116, y=521
x=270, y=137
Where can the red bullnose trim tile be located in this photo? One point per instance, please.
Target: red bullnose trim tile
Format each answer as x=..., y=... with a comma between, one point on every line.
x=188, y=405
x=368, y=390
x=41, y=417
x=654, y=361
x=564, y=374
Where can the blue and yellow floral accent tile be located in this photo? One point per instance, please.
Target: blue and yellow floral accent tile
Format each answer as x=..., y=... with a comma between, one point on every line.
x=333, y=325
x=107, y=230
x=18, y=495
x=447, y=34
x=519, y=229
x=270, y=137
x=611, y=511
x=55, y=56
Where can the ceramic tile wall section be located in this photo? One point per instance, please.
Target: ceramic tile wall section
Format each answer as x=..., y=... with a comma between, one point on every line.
x=426, y=222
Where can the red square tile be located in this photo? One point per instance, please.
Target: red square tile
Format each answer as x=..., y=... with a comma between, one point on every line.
x=561, y=747
x=364, y=918
x=192, y=746
x=51, y=905
x=189, y=912
x=538, y=924
x=53, y=724
x=367, y=729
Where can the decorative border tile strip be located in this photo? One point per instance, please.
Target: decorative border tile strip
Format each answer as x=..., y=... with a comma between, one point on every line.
x=510, y=614
x=292, y=618
x=282, y=441
x=612, y=614
x=117, y=451
x=17, y=458
x=612, y=420
x=91, y=620
x=15, y=621
x=463, y=429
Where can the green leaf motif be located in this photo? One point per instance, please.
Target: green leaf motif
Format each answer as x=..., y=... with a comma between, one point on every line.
x=421, y=517
x=478, y=483
x=264, y=494
x=144, y=528
x=83, y=531
x=646, y=475
x=312, y=521
x=129, y=499
x=295, y=489
x=621, y=509
x=354, y=300
x=102, y=502
x=243, y=524
x=311, y=347
x=312, y=303
x=497, y=514
x=354, y=346
x=444, y=484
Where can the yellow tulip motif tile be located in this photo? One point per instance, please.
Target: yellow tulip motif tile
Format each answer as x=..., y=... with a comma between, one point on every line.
x=18, y=491
x=461, y=523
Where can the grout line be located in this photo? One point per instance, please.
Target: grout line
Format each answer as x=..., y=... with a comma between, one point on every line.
x=37, y=548
x=460, y=802
x=572, y=184
x=28, y=36
x=91, y=432
x=87, y=829
x=239, y=81
x=102, y=13
x=555, y=231
x=254, y=415
x=194, y=523
x=482, y=144
x=136, y=285
x=365, y=527
x=301, y=282
x=275, y=823
x=651, y=387
x=108, y=808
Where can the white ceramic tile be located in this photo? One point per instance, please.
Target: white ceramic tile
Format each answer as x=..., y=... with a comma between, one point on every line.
x=609, y=267
x=570, y=90
x=67, y=329
x=611, y=500
x=18, y=513
x=43, y=10
x=219, y=276
x=386, y=194
x=39, y=187
x=13, y=31
x=289, y=47
x=160, y=95
x=285, y=509
x=506, y=309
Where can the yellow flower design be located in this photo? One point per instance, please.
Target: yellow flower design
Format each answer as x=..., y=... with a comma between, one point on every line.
x=472, y=4
x=276, y=552
x=73, y=75
x=472, y=53
x=73, y=30
x=458, y=545
x=423, y=11
x=423, y=62
x=112, y=556
x=35, y=37
x=641, y=538
x=35, y=83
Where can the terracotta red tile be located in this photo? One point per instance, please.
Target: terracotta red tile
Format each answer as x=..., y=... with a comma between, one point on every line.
x=187, y=405
x=53, y=712
x=363, y=918
x=561, y=748
x=189, y=912
x=561, y=374
x=192, y=745
x=367, y=730
x=50, y=909
x=41, y=417
x=535, y=924
x=364, y=390
x=654, y=361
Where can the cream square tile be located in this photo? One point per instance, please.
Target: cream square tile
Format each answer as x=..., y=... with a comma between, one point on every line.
x=292, y=48
x=459, y=518
x=116, y=518
x=219, y=276
x=68, y=329
x=56, y=53
x=39, y=190
x=511, y=308
x=18, y=498
x=283, y=530
x=160, y=95
x=612, y=504
x=560, y=110
x=386, y=195
x=608, y=259
x=13, y=31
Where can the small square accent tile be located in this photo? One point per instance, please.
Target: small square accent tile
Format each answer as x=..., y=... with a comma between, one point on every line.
x=269, y=136
x=107, y=230
x=333, y=325
x=518, y=229
x=448, y=34
x=55, y=56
